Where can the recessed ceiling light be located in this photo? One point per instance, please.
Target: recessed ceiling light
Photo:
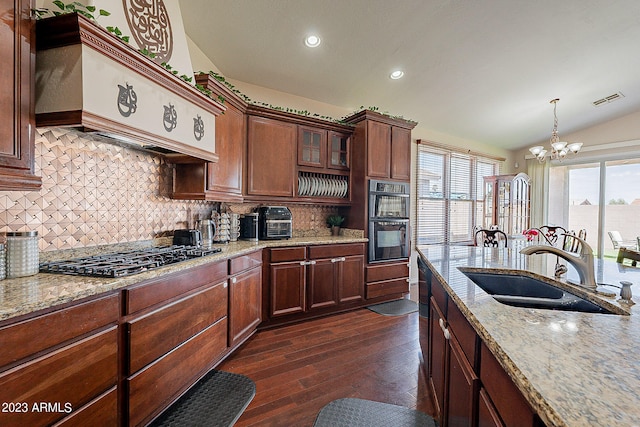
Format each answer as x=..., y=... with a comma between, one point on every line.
x=312, y=41
x=396, y=75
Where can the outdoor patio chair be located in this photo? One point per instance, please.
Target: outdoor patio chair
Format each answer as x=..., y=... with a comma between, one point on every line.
x=616, y=239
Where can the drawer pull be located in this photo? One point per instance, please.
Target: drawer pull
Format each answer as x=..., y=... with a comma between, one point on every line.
x=447, y=335
x=234, y=279
x=341, y=259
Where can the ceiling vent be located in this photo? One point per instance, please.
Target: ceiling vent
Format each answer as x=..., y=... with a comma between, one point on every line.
x=608, y=99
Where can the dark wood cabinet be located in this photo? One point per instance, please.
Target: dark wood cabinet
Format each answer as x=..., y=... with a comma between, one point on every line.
x=387, y=279
x=176, y=332
x=378, y=150
x=271, y=162
x=351, y=279
x=502, y=397
x=66, y=360
x=312, y=147
x=17, y=115
x=381, y=146
x=220, y=181
x=338, y=150
x=452, y=377
x=438, y=352
x=286, y=290
x=323, y=284
x=315, y=280
x=245, y=297
x=468, y=385
x=400, y=153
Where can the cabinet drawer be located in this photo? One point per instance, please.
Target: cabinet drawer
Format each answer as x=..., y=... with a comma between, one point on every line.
x=463, y=331
x=158, y=332
x=507, y=399
x=298, y=253
x=102, y=411
x=155, y=387
x=387, y=287
x=245, y=262
x=72, y=375
x=33, y=335
x=378, y=272
x=155, y=291
x=332, y=251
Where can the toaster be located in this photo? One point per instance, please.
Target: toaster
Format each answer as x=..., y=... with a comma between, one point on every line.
x=187, y=237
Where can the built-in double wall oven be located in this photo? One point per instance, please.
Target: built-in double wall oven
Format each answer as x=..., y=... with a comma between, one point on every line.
x=388, y=220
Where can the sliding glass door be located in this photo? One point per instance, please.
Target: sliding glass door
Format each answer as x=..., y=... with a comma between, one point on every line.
x=599, y=198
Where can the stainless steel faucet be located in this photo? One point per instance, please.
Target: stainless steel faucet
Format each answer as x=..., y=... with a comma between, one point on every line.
x=583, y=262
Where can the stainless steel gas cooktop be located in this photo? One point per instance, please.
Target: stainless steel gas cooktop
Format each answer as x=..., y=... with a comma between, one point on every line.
x=126, y=263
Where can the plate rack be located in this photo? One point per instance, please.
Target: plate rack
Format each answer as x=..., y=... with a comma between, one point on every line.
x=322, y=185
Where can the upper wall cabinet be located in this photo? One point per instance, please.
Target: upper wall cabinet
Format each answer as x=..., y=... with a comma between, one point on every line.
x=16, y=97
x=220, y=181
x=382, y=146
x=271, y=147
x=320, y=148
x=296, y=159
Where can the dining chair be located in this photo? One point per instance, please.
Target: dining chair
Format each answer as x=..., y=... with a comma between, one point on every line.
x=490, y=238
x=570, y=244
x=553, y=232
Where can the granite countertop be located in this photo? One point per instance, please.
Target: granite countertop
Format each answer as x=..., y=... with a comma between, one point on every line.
x=575, y=369
x=28, y=294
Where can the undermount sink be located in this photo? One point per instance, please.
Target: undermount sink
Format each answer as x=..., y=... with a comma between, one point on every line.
x=524, y=291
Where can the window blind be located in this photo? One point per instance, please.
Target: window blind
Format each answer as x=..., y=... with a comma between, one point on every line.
x=450, y=193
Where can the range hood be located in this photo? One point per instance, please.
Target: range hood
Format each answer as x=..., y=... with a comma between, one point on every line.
x=87, y=78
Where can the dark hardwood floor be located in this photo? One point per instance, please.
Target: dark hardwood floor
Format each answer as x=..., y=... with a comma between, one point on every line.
x=300, y=368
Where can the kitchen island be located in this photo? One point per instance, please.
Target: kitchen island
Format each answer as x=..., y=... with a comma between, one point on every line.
x=573, y=368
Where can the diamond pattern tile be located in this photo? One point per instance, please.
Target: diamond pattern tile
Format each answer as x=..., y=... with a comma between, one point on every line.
x=95, y=192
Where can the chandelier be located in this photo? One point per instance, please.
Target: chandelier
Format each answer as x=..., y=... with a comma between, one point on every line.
x=559, y=149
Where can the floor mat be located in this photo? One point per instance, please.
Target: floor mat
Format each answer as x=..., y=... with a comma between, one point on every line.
x=395, y=308
x=367, y=413
x=217, y=400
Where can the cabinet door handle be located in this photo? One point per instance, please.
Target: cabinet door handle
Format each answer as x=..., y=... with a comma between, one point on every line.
x=234, y=280
x=447, y=335
x=303, y=263
x=312, y=262
x=441, y=323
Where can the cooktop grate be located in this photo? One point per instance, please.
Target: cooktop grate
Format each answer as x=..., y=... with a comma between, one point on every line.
x=126, y=263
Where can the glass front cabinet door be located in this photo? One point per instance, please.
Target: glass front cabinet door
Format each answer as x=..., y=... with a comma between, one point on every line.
x=338, y=151
x=312, y=144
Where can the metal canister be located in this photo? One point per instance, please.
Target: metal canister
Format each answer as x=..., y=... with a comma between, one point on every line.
x=22, y=253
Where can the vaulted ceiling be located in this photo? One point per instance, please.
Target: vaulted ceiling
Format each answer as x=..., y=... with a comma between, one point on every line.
x=483, y=70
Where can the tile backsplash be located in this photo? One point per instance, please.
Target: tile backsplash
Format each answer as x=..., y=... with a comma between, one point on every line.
x=96, y=192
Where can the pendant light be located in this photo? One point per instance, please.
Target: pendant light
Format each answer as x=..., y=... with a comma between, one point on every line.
x=559, y=149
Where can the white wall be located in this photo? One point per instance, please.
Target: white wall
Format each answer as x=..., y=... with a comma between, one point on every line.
x=617, y=138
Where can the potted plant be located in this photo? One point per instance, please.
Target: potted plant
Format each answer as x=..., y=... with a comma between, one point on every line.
x=335, y=221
